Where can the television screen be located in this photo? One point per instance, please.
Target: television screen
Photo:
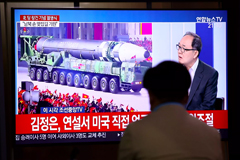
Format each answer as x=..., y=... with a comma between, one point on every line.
x=78, y=73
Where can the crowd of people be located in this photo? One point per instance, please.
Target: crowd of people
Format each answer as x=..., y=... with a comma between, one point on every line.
x=54, y=99
x=147, y=44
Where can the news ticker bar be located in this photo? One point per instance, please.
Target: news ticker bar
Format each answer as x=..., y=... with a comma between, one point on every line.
x=68, y=137
x=100, y=122
x=79, y=137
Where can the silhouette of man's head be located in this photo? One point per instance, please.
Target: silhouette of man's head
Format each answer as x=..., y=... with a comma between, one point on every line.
x=167, y=82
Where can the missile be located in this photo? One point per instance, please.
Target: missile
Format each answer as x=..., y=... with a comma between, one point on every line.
x=93, y=49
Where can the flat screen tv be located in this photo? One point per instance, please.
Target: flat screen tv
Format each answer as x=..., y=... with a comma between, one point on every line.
x=78, y=73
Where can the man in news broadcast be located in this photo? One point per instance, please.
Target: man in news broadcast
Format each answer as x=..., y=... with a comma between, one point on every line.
x=203, y=90
x=169, y=132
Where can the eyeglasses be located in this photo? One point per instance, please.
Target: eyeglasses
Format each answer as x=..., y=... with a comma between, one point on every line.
x=183, y=49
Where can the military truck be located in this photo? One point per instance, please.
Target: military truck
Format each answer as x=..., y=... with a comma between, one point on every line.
x=93, y=64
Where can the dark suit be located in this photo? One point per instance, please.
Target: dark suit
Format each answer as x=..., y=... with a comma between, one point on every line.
x=170, y=133
x=203, y=91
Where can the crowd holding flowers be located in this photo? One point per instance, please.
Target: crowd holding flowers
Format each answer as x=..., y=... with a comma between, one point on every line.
x=55, y=99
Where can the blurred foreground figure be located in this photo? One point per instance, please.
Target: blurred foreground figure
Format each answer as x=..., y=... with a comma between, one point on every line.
x=169, y=132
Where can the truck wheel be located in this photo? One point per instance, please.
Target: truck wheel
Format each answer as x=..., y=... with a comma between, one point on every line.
x=55, y=77
x=137, y=89
x=62, y=78
x=69, y=79
x=104, y=84
x=77, y=80
x=87, y=81
x=39, y=74
x=46, y=75
x=95, y=83
x=113, y=85
x=33, y=73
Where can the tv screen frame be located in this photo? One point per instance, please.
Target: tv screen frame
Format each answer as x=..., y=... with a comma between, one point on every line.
x=120, y=132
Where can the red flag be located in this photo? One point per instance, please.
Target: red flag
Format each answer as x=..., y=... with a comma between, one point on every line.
x=133, y=57
x=85, y=96
x=127, y=108
x=111, y=101
x=99, y=100
x=34, y=103
x=76, y=100
x=149, y=59
x=55, y=91
x=67, y=94
x=48, y=100
x=91, y=109
x=25, y=105
x=73, y=96
x=48, y=91
x=35, y=88
x=21, y=92
x=131, y=110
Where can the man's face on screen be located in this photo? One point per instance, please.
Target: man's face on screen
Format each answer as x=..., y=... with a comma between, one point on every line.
x=186, y=55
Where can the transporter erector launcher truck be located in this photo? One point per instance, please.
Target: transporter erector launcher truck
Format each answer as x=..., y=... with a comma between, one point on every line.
x=92, y=64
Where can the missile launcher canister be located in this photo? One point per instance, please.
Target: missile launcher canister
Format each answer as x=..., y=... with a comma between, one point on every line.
x=92, y=64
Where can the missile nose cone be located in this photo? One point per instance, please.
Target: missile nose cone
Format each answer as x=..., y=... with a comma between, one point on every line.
x=146, y=54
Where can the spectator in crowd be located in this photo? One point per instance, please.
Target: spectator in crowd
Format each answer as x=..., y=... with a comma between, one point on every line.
x=108, y=108
x=115, y=109
x=122, y=110
x=147, y=44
